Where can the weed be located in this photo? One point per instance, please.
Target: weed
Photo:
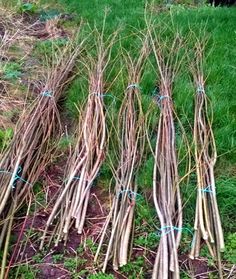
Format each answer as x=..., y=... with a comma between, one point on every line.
x=135, y=269
x=30, y=8
x=48, y=48
x=101, y=275
x=11, y=70
x=49, y=14
x=64, y=143
x=71, y=264
x=23, y=271
x=38, y=258
x=57, y=258
x=230, y=248
x=184, y=275
x=5, y=137
x=91, y=245
x=150, y=240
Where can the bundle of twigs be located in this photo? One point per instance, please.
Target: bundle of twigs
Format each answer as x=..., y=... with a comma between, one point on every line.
x=84, y=162
x=131, y=145
x=207, y=219
x=166, y=192
x=31, y=146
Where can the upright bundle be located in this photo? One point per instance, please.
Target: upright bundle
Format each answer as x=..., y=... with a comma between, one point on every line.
x=207, y=220
x=84, y=162
x=166, y=192
x=30, y=149
x=131, y=145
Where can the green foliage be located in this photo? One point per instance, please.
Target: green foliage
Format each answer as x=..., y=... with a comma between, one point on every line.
x=230, y=248
x=46, y=49
x=76, y=96
x=5, y=137
x=145, y=216
x=65, y=142
x=49, y=14
x=11, y=70
x=57, y=258
x=71, y=264
x=145, y=175
x=30, y=8
x=150, y=240
x=23, y=271
x=184, y=275
x=38, y=258
x=92, y=246
x=134, y=269
x=100, y=275
x=226, y=196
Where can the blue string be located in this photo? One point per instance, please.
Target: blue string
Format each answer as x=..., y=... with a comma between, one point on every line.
x=17, y=176
x=133, y=85
x=172, y=228
x=76, y=177
x=207, y=189
x=47, y=93
x=104, y=95
x=132, y=195
x=200, y=89
x=160, y=98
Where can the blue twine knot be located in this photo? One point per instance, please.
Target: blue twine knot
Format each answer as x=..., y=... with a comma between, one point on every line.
x=76, y=177
x=16, y=177
x=132, y=195
x=207, y=189
x=160, y=98
x=170, y=229
x=103, y=95
x=200, y=89
x=47, y=93
x=133, y=85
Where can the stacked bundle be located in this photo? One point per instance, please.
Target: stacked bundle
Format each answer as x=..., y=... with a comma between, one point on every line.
x=84, y=163
x=31, y=146
x=166, y=192
x=207, y=220
x=131, y=143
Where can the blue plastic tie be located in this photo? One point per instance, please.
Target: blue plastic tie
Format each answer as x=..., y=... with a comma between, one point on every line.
x=200, y=89
x=207, y=189
x=76, y=177
x=103, y=95
x=132, y=195
x=47, y=93
x=162, y=97
x=133, y=85
x=17, y=176
x=172, y=228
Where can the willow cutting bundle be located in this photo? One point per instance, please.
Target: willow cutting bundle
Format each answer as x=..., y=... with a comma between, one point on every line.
x=31, y=145
x=131, y=145
x=207, y=219
x=166, y=192
x=84, y=163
